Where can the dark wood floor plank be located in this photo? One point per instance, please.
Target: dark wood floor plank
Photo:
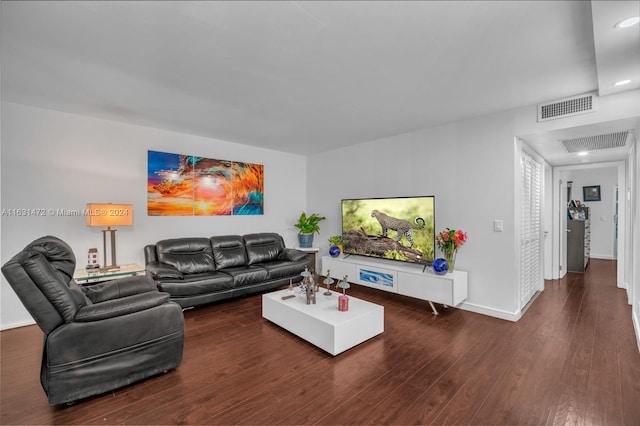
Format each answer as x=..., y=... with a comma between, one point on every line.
x=572, y=358
x=482, y=382
x=539, y=347
x=255, y=373
x=394, y=408
x=405, y=361
x=426, y=407
x=604, y=396
x=628, y=352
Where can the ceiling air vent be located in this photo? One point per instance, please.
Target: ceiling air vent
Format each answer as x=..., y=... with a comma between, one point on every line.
x=568, y=107
x=591, y=143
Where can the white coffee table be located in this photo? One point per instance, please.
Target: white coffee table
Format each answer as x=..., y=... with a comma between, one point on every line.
x=322, y=324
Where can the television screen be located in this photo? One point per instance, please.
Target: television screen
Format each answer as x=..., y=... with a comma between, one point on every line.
x=399, y=228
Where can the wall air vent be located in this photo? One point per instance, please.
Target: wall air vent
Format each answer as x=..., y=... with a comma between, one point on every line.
x=591, y=143
x=568, y=107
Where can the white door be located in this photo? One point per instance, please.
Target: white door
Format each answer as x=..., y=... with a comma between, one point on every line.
x=531, y=236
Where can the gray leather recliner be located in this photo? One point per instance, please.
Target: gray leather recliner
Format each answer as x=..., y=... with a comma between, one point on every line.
x=96, y=338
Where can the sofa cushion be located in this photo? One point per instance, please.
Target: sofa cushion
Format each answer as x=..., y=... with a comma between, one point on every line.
x=263, y=247
x=195, y=284
x=247, y=275
x=160, y=271
x=285, y=268
x=292, y=254
x=228, y=251
x=187, y=255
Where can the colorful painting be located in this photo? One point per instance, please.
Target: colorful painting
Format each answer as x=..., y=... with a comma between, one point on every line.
x=185, y=185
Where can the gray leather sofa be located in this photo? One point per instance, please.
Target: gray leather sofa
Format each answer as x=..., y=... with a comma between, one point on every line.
x=96, y=338
x=196, y=271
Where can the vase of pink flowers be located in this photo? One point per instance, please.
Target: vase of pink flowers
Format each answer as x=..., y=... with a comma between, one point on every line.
x=449, y=241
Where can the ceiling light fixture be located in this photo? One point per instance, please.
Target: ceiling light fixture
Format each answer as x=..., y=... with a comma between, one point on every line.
x=583, y=153
x=629, y=22
x=621, y=82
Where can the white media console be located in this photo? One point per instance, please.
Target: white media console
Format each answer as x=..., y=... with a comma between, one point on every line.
x=403, y=278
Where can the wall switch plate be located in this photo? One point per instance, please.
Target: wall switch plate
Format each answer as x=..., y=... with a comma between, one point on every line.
x=498, y=225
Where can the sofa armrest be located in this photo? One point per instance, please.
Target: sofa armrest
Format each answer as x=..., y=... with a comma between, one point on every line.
x=162, y=271
x=114, y=289
x=292, y=254
x=119, y=307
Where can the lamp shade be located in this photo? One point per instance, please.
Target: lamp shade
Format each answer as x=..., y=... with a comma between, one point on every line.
x=109, y=214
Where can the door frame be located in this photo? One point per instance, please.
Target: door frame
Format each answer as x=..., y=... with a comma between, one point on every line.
x=560, y=226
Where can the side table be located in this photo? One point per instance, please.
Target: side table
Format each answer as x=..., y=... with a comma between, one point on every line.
x=311, y=254
x=88, y=276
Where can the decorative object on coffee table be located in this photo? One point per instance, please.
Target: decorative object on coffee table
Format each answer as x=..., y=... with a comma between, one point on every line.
x=312, y=282
x=308, y=225
x=343, y=303
x=344, y=284
x=311, y=294
x=343, y=300
x=449, y=241
x=328, y=281
x=306, y=281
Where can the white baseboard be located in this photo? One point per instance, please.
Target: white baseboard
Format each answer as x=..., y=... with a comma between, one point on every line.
x=492, y=312
x=602, y=256
x=636, y=325
x=16, y=324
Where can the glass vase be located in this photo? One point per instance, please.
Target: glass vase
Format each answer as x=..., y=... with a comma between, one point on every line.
x=450, y=256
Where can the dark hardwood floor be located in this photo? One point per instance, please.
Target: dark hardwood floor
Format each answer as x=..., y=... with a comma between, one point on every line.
x=572, y=359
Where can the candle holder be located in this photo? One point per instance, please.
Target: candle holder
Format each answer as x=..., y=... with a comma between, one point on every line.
x=343, y=300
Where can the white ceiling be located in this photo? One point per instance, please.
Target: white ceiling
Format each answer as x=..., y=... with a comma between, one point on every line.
x=308, y=76
x=549, y=144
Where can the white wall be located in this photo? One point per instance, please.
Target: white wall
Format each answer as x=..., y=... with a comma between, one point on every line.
x=633, y=268
x=601, y=212
x=468, y=166
x=53, y=160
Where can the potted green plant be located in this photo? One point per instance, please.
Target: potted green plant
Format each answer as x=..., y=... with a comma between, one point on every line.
x=308, y=225
x=336, y=241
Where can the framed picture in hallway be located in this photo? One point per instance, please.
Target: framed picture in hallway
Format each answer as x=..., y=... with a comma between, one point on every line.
x=591, y=193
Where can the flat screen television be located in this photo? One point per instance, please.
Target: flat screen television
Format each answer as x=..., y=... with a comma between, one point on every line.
x=399, y=228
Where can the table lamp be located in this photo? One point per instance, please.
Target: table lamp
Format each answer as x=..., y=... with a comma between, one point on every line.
x=100, y=214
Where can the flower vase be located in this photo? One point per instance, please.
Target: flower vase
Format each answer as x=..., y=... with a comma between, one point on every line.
x=450, y=255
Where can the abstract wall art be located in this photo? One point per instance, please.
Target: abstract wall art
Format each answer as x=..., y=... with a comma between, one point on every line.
x=187, y=185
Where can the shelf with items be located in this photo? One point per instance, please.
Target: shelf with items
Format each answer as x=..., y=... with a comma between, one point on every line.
x=578, y=239
x=578, y=213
